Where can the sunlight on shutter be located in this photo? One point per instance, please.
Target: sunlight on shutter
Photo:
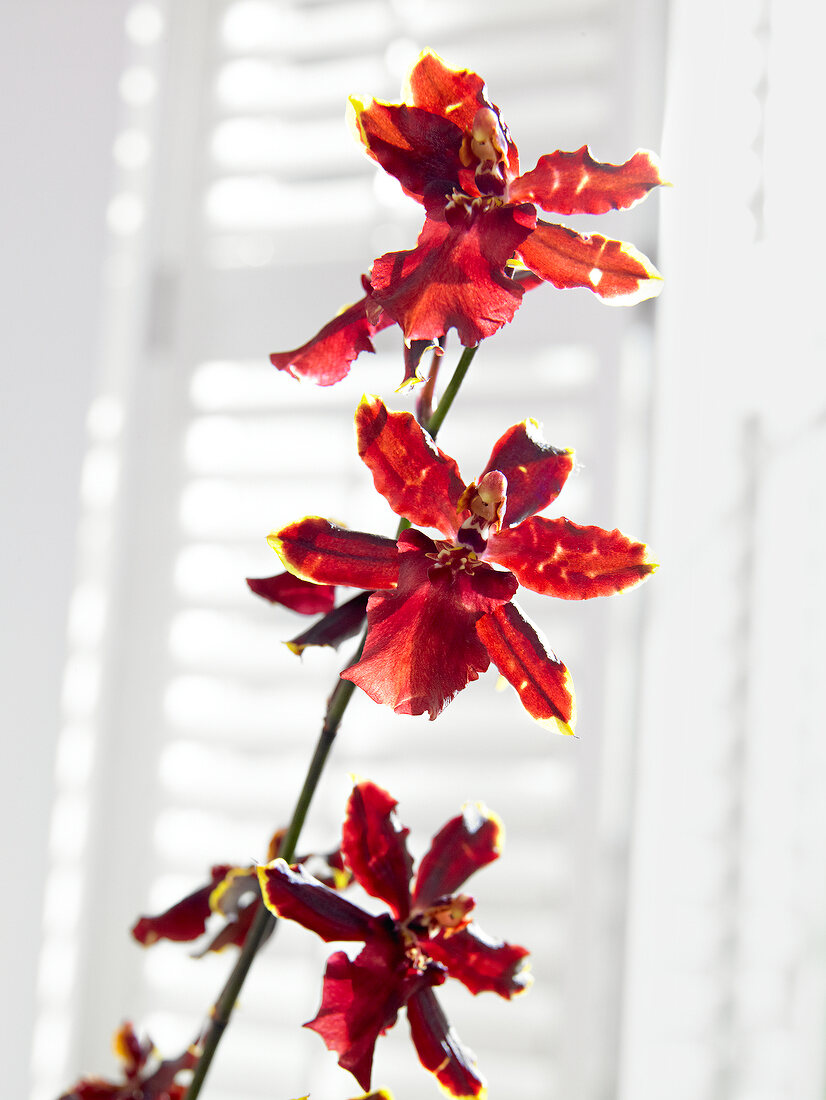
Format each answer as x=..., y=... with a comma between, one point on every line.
x=191, y=722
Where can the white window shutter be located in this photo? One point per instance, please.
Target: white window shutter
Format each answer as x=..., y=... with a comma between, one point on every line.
x=243, y=232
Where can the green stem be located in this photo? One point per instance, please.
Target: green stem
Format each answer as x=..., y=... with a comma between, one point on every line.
x=451, y=389
x=264, y=920
x=336, y=706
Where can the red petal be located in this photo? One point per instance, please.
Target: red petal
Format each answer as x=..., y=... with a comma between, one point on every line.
x=316, y=550
x=184, y=921
x=416, y=479
x=292, y=893
x=302, y=596
x=469, y=841
x=360, y=1000
x=374, y=847
x=454, y=278
x=327, y=357
x=335, y=627
x=440, y=1049
x=416, y=146
x=482, y=964
x=520, y=653
x=575, y=183
x=613, y=270
x=456, y=94
x=560, y=558
x=422, y=646
x=535, y=470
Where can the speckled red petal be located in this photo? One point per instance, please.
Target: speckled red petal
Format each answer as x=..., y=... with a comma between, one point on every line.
x=535, y=470
x=614, y=270
x=575, y=183
x=374, y=847
x=521, y=654
x=416, y=479
x=559, y=558
x=317, y=550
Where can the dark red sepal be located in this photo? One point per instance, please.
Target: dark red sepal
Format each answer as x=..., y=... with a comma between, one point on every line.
x=440, y=1049
x=335, y=627
x=482, y=964
x=305, y=597
x=522, y=655
x=185, y=920
x=614, y=270
x=292, y=893
x=575, y=183
x=416, y=479
x=327, y=357
x=361, y=998
x=422, y=646
x=559, y=558
x=414, y=145
x=466, y=843
x=455, y=278
x=374, y=847
x=535, y=470
x=317, y=550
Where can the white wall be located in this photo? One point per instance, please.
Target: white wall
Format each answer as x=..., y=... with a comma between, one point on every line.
x=59, y=64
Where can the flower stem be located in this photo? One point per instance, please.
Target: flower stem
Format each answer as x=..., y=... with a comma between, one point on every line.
x=264, y=920
x=452, y=388
x=336, y=706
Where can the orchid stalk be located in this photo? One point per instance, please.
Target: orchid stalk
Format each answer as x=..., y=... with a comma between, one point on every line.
x=438, y=609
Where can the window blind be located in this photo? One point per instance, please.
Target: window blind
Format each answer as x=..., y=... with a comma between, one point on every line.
x=242, y=217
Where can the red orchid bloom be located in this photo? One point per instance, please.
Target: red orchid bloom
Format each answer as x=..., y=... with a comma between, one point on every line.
x=440, y=612
x=482, y=244
x=144, y=1076
x=426, y=937
x=232, y=893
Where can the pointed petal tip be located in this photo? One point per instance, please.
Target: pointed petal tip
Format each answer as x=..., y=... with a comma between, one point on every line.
x=656, y=164
x=368, y=401
x=557, y=725
x=476, y=814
